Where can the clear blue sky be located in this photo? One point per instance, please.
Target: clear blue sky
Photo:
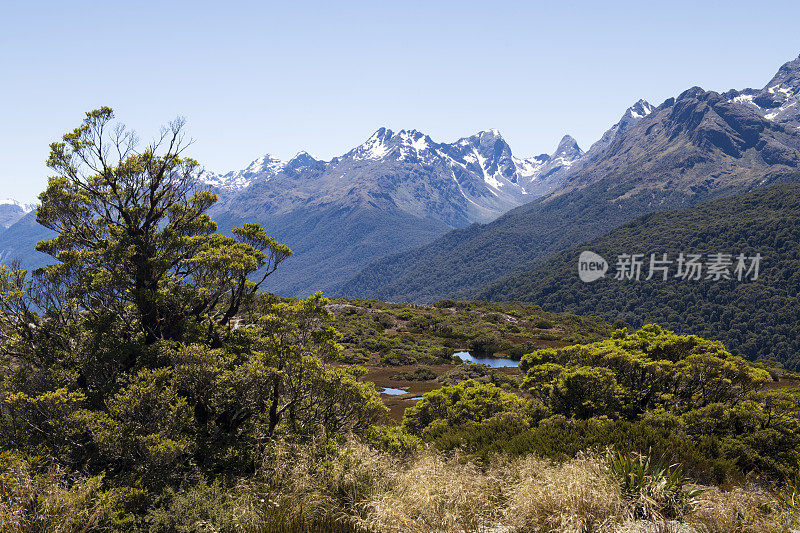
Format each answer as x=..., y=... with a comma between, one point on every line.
x=257, y=77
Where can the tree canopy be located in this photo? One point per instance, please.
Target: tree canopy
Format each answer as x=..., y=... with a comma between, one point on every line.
x=133, y=231
x=127, y=360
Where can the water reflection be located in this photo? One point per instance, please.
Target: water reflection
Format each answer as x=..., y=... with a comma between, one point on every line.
x=392, y=392
x=494, y=362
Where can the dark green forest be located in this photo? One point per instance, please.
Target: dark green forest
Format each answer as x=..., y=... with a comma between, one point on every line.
x=755, y=319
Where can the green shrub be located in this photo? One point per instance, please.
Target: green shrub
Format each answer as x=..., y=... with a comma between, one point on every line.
x=469, y=401
x=419, y=374
x=654, y=489
x=393, y=439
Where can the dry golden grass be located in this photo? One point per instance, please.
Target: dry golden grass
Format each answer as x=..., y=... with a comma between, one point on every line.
x=747, y=510
x=309, y=488
x=573, y=496
x=48, y=503
x=433, y=494
x=436, y=494
x=306, y=480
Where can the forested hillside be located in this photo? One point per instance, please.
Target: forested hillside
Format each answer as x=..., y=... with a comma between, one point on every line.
x=753, y=318
x=690, y=149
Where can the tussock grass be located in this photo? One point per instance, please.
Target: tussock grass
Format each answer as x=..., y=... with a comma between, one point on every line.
x=437, y=494
x=743, y=509
x=576, y=495
x=433, y=494
x=354, y=488
x=50, y=502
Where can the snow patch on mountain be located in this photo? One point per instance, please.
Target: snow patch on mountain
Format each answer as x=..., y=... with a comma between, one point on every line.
x=779, y=100
x=631, y=116
x=262, y=168
x=26, y=208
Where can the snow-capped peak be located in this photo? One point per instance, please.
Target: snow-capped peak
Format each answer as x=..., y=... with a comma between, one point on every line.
x=265, y=167
x=401, y=145
x=779, y=100
x=632, y=115
x=265, y=163
x=492, y=132
x=26, y=208
x=787, y=79
x=543, y=173
x=375, y=147
x=640, y=109
x=568, y=149
x=302, y=154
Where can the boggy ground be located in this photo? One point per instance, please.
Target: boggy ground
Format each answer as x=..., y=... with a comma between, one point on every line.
x=392, y=341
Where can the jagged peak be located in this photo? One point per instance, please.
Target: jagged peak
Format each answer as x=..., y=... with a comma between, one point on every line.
x=380, y=134
x=568, y=147
x=410, y=133
x=384, y=134
x=640, y=109
x=693, y=92
x=787, y=75
x=265, y=160
x=385, y=141
x=302, y=156
x=265, y=166
x=491, y=132
x=27, y=208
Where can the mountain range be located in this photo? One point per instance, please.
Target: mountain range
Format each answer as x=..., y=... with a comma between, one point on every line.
x=405, y=217
x=11, y=211
x=474, y=179
x=692, y=148
x=393, y=192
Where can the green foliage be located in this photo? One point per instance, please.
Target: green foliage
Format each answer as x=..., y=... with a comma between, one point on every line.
x=393, y=439
x=133, y=233
x=201, y=506
x=586, y=391
x=679, y=382
x=482, y=374
x=681, y=396
x=453, y=405
x=754, y=319
x=403, y=334
x=634, y=372
x=655, y=489
x=146, y=431
x=197, y=406
x=131, y=373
